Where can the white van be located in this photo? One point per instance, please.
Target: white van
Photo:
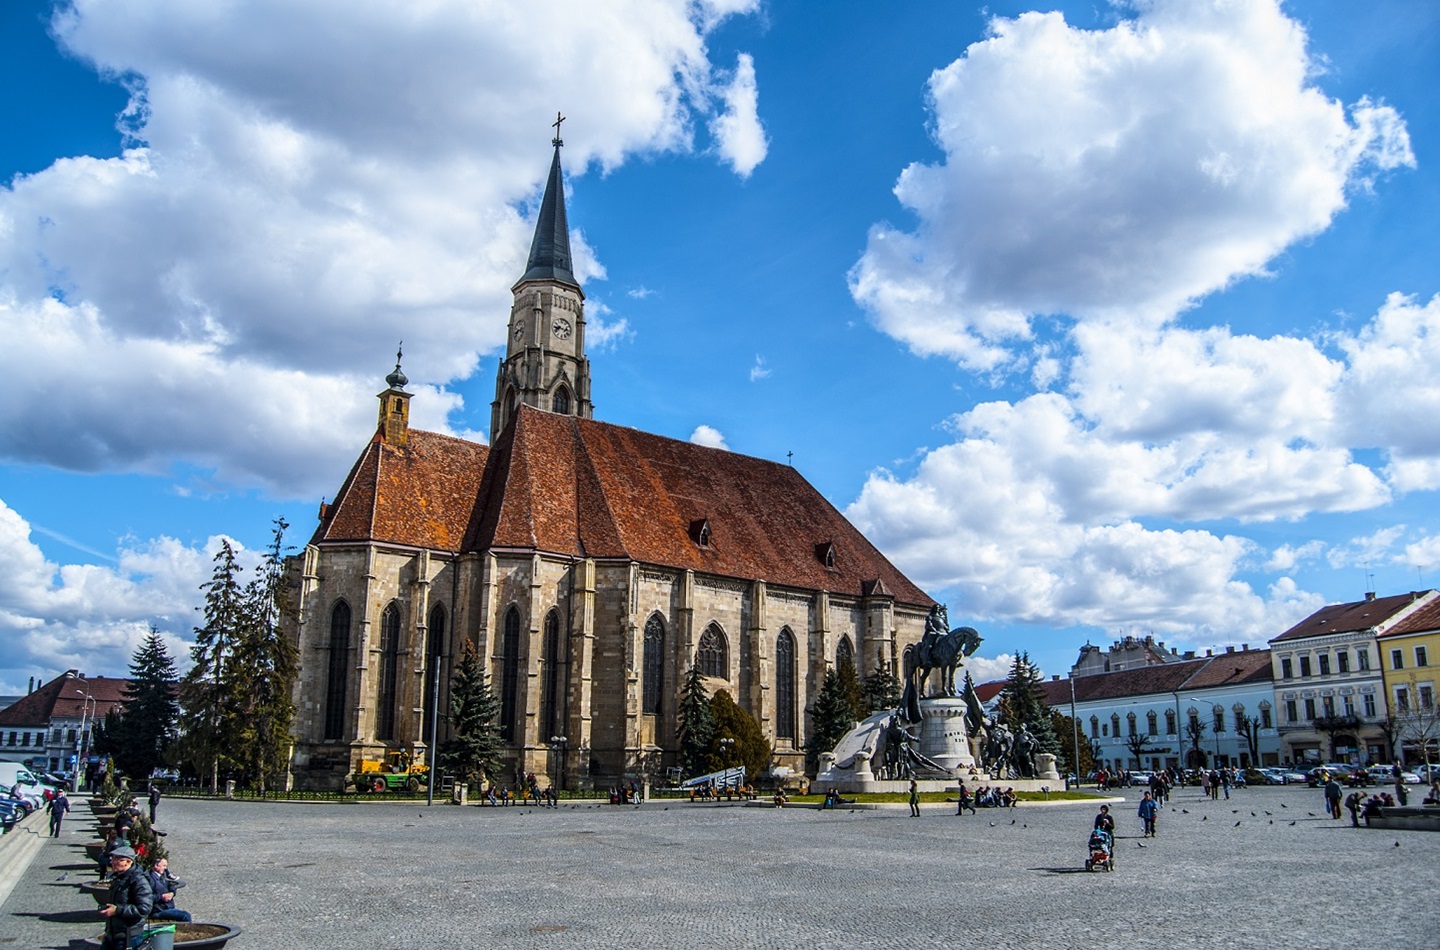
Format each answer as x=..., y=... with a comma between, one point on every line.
x=31, y=788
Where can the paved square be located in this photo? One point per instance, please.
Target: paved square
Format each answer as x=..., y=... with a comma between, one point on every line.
x=672, y=874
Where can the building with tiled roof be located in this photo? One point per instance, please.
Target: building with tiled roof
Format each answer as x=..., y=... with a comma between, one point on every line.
x=1329, y=682
x=49, y=727
x=1186, y=712
x=589, y=564
x=1406, y=651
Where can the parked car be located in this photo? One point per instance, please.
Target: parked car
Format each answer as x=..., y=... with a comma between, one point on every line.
x=1263, y=777
x=1382, y=775
x=1139, y=777
x=1427, y=773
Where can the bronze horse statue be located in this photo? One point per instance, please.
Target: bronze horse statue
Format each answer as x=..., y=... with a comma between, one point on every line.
x=937, y=650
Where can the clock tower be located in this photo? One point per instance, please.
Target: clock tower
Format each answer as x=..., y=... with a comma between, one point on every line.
x=545, y=364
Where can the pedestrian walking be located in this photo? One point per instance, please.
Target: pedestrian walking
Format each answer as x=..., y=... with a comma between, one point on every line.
x=914, y=799
x=57, y=807
x=1147, y=811
x=1332, y=798
x=154, y=801
x=1225, y=782
x=1104, y=822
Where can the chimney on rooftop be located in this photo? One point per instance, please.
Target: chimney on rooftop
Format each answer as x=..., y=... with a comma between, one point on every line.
x=31, y=688
x=1244, y=647
x=1369, y=595
x=1209, y=652
x=1189, y=655
x=1055, y=678
x=1230, y=649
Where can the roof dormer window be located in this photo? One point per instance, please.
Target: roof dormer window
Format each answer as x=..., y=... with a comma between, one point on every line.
x=825, y=552
x=700, y=531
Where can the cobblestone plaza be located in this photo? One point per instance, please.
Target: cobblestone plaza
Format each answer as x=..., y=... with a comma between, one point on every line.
x=671, y=874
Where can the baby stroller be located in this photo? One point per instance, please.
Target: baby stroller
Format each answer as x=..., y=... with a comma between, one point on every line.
x=1102, y=852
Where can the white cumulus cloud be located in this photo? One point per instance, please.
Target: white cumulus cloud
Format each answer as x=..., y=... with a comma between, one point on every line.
x=708, y=435
x=304, y=186
x=1114, y=174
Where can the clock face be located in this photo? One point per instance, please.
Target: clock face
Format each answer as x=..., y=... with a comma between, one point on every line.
x=561, y=328
x=519, y=329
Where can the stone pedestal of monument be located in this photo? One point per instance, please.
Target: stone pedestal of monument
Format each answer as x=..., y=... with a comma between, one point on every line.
x=942, y=734
x=1045, y=768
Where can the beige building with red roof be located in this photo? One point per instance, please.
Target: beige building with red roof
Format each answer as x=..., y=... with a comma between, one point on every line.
x=590, y=564
x=1409, y=653
x=1329, y=682
x=49, y=728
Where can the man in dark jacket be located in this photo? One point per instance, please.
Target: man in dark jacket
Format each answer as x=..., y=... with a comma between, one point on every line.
x=165, y=884
x=130, y=901
x=57, y=807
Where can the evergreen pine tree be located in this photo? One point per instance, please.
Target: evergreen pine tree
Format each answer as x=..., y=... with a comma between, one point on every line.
x=696, y=725
x=1021, y=702
x=750, y=748
x=830, y=718
x=473, y=754
x=208, y=696
x=141, y=734
x=265, y=661
x=881, y=690
x=850, y=688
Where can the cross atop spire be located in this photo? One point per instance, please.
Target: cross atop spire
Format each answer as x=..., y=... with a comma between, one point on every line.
x=557, y=141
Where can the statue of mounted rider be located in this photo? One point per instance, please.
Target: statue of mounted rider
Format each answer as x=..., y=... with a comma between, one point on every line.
x=940, y=650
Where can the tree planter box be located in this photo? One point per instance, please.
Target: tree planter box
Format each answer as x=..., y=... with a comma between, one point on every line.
x=194, y=936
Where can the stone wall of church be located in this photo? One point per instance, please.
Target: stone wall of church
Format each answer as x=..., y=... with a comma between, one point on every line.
x=608, y=735
x=368, y=578
x=602, y=610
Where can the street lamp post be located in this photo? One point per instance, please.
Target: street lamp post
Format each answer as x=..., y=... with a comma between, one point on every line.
x=86, y=709
x=1075, y=735
x=559, y=742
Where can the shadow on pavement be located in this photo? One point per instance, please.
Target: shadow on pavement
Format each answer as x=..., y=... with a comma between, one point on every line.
x=1079, y=870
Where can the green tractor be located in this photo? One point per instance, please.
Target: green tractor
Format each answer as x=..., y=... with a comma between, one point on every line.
x=399, y=774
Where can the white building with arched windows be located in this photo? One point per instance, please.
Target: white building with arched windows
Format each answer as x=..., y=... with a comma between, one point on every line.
x=588, y=563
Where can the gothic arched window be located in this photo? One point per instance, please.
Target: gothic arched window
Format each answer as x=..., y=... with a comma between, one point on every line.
x=1094, y=727
x=434, y=652
x=844, y=653
x=1169, y=722
x=785, y=684
x=711, y=655
x=560, y=402
x=1130, y=724
x=1152, y=723
x=653, y=666
x=509, y=674
x=339, y=673
x=1219, y=714
x=550, y=701
x=389, y=673
x=1115, y=724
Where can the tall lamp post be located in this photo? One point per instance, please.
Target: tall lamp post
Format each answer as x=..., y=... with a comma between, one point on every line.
x=1075, y=735
x=558, y=742
x=86, y=714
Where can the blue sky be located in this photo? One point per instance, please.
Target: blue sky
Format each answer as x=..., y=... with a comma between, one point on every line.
x=1097, y=318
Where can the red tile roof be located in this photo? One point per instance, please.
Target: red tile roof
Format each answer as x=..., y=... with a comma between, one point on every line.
x=419, y=495
x=592, y=489
x=580, y=488
x=1233, y=669
x=64, y=698
x=1424, y=620
x=1351, y=617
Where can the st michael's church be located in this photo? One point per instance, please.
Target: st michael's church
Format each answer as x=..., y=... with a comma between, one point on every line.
x=589, y=564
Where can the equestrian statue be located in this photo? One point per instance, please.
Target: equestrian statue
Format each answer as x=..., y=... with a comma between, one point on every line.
x=937, y=650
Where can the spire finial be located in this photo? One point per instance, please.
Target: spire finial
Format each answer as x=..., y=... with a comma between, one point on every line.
x=557, y=141
x=397, y=379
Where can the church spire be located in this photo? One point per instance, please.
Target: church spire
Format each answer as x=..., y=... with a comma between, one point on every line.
x=550, y=249
x=545, y=364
